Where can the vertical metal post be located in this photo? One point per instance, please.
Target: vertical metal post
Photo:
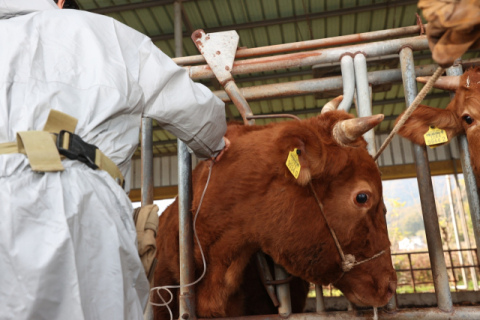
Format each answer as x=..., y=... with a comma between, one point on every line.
x=364, y=109
x=363, y=96
x=470, y=181
x=463, y=223
x=283, y=292
x=177, y=28
x=430, y=217
x=455, y=233
x=187, y=268
x=147, y=161
x=319, y=298
x=147, y=179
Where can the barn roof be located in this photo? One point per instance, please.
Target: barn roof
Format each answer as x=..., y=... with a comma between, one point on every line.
x=268, y=22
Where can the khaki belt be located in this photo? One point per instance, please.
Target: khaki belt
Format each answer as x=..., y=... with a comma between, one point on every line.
x=45, y=149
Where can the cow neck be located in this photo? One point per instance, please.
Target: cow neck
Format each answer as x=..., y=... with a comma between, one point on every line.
x=348, y=260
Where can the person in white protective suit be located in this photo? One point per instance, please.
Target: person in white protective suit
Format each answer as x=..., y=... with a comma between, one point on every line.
x=67, y=239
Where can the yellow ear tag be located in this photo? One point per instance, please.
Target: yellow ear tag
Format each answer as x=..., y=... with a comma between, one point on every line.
x=293, y=164
x=435, y=137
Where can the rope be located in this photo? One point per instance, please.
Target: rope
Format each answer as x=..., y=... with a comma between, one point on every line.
x=348, y=261
x=166, y=288
x=339, y=248
x=410, y=109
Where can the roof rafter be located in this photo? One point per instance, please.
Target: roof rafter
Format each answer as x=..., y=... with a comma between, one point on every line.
x=248, y=25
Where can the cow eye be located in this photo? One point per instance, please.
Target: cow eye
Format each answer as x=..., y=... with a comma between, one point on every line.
x=362, y=198
x=468, y=119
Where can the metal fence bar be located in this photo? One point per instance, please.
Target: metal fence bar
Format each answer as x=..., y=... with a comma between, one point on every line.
x=455, y=230
x=453, y=270
x=412, y=274
x=147, y=180
x=187, y=267
x=470, y=181
x=430, y=217
x=283, y=292
x=311, y=58
x=311, y=44
x=320, y=301
x=147, y=162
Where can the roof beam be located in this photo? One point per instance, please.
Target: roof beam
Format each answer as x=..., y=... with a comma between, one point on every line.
x=133, y=6
x=248, y=25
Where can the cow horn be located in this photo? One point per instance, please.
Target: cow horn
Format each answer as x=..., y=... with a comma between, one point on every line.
x=347, y=131
x=332, y=104
x=450, y=83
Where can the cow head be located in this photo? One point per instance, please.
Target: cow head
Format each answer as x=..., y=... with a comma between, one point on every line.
x=286, y=221
x=462, y=114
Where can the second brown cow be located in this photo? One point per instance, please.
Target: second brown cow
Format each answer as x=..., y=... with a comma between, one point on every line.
x=461, y=116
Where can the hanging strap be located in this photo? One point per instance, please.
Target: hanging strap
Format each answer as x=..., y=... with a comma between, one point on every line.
x=146, y=224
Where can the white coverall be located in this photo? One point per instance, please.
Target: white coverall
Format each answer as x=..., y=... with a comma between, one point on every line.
x=67, y=239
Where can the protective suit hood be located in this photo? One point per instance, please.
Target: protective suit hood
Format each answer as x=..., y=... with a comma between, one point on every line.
x=13, y=8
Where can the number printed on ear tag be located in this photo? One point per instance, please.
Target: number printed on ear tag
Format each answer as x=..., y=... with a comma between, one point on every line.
x=435, y=136
x=293, y=164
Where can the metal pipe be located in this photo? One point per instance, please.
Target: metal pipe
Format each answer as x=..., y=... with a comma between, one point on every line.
x=147, y=180
x=363, y=98
x=187, y=270
x=177, y=28
x=303, y=59
x=463, y=223
x=283, y=292
x=303, y=87
x=310, y=44
x=458, y=313
x=266, y=275
x=320, y=301
x=240, y=102
x=186, y=296
x=470, y=181
x=348, y=80
x=147, y=161
x=455, y=232
x=471, y=187
x=430, y=217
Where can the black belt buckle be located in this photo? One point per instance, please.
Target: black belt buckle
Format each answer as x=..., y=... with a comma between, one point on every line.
x=77, y=149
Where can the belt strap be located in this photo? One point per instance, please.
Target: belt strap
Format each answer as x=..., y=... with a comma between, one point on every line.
x=40, y=149
x=42, y=152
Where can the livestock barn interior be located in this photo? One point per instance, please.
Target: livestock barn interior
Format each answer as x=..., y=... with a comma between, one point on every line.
x=263, y=23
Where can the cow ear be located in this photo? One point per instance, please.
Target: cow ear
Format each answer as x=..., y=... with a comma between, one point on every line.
x=424, y=117
x=297, y=143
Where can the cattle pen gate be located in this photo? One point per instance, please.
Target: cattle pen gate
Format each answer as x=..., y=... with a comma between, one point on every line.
x=353, y=59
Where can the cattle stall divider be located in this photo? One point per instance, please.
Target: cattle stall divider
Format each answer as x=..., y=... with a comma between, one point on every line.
x=403, y=47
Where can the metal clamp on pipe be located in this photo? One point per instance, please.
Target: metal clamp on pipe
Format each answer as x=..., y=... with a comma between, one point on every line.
x=219, y=51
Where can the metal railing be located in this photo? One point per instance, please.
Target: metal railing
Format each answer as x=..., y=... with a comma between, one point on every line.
x=404, y=47
x=415, y=267
x=448, y=253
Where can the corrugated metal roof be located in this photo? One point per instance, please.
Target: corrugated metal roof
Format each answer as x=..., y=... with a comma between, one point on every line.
x=269, y=22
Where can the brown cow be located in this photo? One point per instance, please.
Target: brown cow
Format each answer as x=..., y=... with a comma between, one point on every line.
x=254, y=203
x=460, y=116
